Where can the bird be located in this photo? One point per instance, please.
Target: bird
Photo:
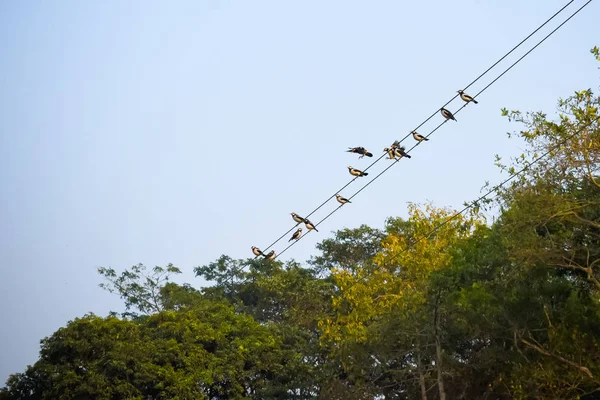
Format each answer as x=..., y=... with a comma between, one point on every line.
x=466, y=97
x=356, y=172
x=391, y=153
x=418, y=137
x=256, y=251
x=360, y=150
x=297, y=218
x=270, y=255
x=341, y=199
x=447, y=114
x=395, y=144
x=401, y=153
x=310, y=225
x=296, y=235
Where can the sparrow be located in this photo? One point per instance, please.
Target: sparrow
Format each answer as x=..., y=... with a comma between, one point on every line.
x=296, y=235
x=356, y=172
x=310, y=225
x=341, y=199
x=447, y=114
x=466, y=97
x=418, y=137
x=401, y=153
x=270, y=255
x=256, y=251
x=297, y=218
x=391, y=153
x=360, y=150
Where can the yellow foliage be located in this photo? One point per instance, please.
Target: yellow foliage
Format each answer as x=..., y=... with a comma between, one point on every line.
x=397, y=279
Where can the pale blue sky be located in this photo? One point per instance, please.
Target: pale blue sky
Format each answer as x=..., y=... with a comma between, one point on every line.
x=157, y=132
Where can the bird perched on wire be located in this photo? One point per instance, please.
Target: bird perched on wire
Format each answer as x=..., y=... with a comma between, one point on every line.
x=270, y=255
x=401, y=153
x=297, y=218
x=447, y=114
x=390, y=152
x=256, y=251
x=296, y=235
x=466, y=97
x=341, y=199
x=396, y=144
x=310, y=225
x=356, y=172
x=360, y=150
x=418, y=137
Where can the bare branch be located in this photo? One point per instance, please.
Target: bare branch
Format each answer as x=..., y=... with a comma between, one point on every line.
x=539, y=349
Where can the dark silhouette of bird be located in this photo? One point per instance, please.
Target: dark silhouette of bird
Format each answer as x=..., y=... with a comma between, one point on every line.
x=270, y=255
x=401, y=153
x=296, y=235
x=356, y=172
x=466, y=97
x=256, y=251
x=447, y=114
x=341, y=199
x=418, y=137
x=360, y=150
x=297, y=218
x=390, y=152
x=310, y=225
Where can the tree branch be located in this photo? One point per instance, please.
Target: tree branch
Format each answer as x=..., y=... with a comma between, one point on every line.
x=547, y=353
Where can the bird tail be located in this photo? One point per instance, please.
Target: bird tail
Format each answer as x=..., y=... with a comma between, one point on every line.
x=408, y=156
x=474, y=101
x=425, y=139
x=365, y=174
x=368, y=154
x=316, y=229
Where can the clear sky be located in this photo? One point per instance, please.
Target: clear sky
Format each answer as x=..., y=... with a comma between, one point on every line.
x=156, y=132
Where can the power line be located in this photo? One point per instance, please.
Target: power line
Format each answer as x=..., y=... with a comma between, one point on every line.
x=426, y=120
x=436, y=128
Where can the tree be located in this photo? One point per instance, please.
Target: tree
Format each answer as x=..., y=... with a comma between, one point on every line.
x=376, y=300
x=141, y=291
x=207, y=351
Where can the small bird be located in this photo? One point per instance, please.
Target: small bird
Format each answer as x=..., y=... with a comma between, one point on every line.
x=296, y=235
x=341, y=199
x=395, y=144
x=360, y=150
x=391, y=153
x=418, y=137
x=270, y=255
x=256, y=251
x=310, y=225
x=447, y=114
x=356, y=172
x=466, y=97
x=297, y=218
x=401, y=153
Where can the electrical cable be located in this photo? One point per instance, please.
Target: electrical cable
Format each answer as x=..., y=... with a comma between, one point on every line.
x=435, y=129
